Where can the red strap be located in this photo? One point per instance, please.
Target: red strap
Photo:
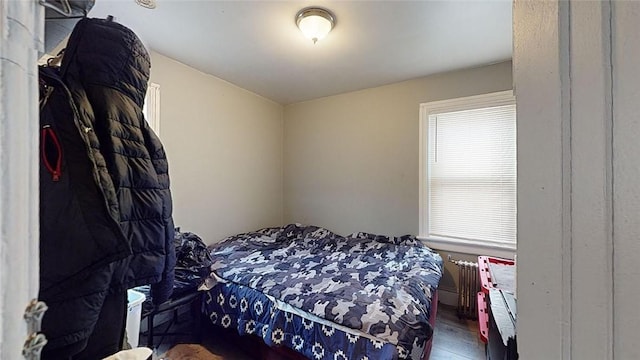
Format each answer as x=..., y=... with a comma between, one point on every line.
x=55, y=170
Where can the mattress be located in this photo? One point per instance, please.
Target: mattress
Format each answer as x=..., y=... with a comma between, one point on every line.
x=372, y=288
x=251, y=312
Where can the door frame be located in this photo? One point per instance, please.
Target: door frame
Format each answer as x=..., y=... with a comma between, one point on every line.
x=21, y=37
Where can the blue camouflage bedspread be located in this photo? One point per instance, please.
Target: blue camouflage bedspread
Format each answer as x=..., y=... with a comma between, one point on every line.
x=251, y=312
x=375, y=284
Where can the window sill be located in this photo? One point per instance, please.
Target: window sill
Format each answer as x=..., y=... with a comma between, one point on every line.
x=470, y=247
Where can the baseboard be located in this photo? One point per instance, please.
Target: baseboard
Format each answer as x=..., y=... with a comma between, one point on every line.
x=448, y=297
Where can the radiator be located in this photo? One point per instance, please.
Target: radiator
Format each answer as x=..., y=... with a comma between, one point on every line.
x=468, y=288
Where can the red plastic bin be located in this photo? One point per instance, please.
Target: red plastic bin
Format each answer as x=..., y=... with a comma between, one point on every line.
x=486, y=280
x=483, y=317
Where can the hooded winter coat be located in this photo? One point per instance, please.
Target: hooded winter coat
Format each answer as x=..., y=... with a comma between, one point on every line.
x=106, y=210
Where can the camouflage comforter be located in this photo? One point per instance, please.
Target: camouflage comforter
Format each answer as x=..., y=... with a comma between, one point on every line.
x=375, y=284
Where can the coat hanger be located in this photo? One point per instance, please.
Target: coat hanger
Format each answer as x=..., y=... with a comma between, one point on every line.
x=64, y=7
x=55, y=61
x=68, y=9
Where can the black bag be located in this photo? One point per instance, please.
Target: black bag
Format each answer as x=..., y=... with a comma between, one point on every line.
x=192, y=261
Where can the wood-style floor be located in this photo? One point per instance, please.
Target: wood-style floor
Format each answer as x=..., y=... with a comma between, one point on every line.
x=454, y=339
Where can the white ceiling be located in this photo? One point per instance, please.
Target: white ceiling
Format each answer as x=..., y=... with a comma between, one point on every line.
x=257, y=46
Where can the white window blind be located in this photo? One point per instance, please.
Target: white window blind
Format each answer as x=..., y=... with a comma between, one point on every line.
x=471, y=174
x=151, y=108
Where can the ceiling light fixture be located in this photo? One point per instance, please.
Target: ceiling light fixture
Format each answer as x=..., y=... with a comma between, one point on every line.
x=315, y=23
x=149, y=4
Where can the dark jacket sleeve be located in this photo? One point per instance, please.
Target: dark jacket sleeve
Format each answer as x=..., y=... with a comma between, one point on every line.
x=162, y=290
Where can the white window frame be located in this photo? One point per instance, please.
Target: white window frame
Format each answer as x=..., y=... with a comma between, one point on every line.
x=448, y=244
x=151, y=109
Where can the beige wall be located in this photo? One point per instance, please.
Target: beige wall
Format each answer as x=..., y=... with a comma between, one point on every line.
x=351, y=160
x=224, y=146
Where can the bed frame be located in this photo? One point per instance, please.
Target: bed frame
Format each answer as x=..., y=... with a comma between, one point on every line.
x=432, y=321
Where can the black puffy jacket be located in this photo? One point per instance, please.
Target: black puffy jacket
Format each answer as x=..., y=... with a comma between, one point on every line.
x=107, y=62
x=105, y=201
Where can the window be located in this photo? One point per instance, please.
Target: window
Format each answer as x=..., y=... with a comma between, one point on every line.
x=151, y=108
x=468, y=172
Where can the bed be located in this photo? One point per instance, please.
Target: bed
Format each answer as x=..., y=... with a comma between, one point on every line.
x=326, y=296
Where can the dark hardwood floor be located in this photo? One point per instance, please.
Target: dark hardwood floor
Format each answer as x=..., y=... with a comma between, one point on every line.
x=454, y=339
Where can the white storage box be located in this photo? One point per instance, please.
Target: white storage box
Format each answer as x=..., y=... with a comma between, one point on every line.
x=135, y=300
